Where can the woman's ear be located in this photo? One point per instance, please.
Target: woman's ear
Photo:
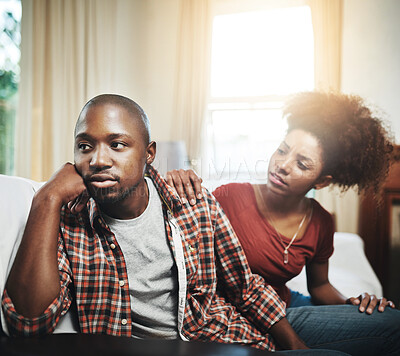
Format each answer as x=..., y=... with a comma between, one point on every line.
x=151, y=152
x=322, y=182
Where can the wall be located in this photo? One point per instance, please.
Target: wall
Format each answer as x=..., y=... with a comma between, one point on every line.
x=371, y=55
x=159, y=51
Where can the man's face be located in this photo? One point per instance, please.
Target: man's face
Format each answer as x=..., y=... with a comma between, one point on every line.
x=110, y=152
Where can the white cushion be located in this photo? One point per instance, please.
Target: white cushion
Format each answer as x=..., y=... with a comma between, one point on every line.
x=349, y=269
x=16, y=197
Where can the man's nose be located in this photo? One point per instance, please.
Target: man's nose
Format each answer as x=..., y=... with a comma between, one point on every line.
x=100, y=159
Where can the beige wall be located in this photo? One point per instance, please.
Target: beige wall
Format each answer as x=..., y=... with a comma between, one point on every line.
x=371, y=54
x=145, y=59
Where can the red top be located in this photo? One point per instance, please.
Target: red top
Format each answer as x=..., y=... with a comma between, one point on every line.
x=261, y=243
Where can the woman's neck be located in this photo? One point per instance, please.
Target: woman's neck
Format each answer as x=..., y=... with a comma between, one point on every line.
x=282, y=205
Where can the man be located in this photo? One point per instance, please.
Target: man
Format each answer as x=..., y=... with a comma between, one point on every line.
x=109, y=237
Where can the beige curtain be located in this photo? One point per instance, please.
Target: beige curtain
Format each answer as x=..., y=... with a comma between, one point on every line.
x=193, y=66
x=67, y=56
x=327, y=23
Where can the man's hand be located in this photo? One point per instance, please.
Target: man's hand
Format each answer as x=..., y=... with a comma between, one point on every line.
x=368, y=303
x=286, y=337
x=66, y=186
x=187, y=184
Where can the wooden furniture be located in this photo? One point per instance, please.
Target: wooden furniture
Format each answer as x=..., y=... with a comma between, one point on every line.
x=375, y=227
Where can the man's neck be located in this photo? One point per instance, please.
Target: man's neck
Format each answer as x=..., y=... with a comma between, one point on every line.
x=132, y=206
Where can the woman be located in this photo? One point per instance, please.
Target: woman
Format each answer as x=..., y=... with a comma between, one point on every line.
x=332, y=139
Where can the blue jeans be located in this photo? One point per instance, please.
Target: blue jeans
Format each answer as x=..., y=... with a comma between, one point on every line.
x=343, y=328
x=299, y=300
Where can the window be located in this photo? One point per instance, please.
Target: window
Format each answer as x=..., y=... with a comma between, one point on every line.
x=258, y=59
x=10, y=38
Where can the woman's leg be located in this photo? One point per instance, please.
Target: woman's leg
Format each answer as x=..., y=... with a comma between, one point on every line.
x=299, y=300
x=344, y=328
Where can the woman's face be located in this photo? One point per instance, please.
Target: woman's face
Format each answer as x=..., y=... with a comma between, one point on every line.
x=296, y=166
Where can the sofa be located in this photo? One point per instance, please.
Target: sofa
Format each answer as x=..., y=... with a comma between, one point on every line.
x=349, y=271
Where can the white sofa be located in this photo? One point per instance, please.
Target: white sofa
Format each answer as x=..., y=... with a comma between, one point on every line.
x=15, y=201
x=349, y=269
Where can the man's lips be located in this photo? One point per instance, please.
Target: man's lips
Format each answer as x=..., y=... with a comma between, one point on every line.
x=276, y=179
x=102, y=181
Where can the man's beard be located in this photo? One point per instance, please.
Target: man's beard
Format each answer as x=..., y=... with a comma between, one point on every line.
x=111, y=195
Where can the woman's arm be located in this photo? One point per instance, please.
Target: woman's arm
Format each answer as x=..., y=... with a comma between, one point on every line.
x=323, y=292
x=319, y=287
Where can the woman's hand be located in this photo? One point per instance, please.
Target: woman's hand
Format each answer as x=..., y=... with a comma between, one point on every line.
x=368, y=303
x=187, y=184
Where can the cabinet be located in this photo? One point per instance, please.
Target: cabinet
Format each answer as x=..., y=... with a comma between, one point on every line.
x=379, y=226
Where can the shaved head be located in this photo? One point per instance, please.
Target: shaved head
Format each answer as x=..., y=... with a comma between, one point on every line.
x=134, y=109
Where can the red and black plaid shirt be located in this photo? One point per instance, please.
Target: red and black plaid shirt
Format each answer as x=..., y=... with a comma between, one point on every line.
x=224, y=302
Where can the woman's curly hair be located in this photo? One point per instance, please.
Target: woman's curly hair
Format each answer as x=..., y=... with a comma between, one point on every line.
x=357, y=148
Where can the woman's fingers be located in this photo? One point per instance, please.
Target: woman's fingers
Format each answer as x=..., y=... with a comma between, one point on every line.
x=187, y=184
x=173, y=179
x=369, y=302
x=385, y=303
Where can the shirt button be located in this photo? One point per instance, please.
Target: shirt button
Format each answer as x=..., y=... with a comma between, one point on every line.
x=124, y=321
x=121, y=283
x=112, y=246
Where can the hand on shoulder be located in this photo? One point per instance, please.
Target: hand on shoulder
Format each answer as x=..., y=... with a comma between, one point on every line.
x=186, y=183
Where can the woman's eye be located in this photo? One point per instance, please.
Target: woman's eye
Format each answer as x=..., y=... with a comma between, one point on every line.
x=280, y=151
x=302, y=165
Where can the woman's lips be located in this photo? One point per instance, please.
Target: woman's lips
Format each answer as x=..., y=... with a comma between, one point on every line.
x=274, y=178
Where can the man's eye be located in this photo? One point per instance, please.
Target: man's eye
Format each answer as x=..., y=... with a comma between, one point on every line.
x=83, y=146
x=117, y=145
x=280, y=151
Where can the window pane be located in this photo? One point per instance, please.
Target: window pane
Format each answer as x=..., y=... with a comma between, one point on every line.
x=243, y=141
x=262, y=53
x=10, y=38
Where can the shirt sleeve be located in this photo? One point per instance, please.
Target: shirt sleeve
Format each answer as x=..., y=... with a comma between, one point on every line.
x=18, y=325
x=325, y=239
x=255, y=300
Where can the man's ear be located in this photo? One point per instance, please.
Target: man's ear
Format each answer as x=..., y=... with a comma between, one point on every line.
x=322, y=182
x=151, y=152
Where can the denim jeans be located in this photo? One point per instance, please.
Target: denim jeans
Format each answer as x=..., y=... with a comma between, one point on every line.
x=299, y=300
x=343, y=328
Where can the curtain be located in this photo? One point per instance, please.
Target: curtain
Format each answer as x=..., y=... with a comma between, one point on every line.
x=192, y=77
x=327, y=24
x=67, y=56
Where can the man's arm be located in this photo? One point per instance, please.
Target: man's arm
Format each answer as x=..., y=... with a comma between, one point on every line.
x=34, y=281
x=258, y=302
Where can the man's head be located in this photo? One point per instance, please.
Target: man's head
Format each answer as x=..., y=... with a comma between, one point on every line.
x=112, y=148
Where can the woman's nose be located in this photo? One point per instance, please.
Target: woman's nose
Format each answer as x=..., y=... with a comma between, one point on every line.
x=283, y=165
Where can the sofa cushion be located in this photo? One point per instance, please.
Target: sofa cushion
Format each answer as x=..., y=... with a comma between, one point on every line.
x=16, y=197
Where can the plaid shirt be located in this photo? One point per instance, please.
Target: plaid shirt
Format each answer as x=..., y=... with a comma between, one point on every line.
x=219, y=298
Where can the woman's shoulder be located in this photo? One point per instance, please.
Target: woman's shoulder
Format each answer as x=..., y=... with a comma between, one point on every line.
x=233, y=188
x=320, y=214
x=234, y=193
